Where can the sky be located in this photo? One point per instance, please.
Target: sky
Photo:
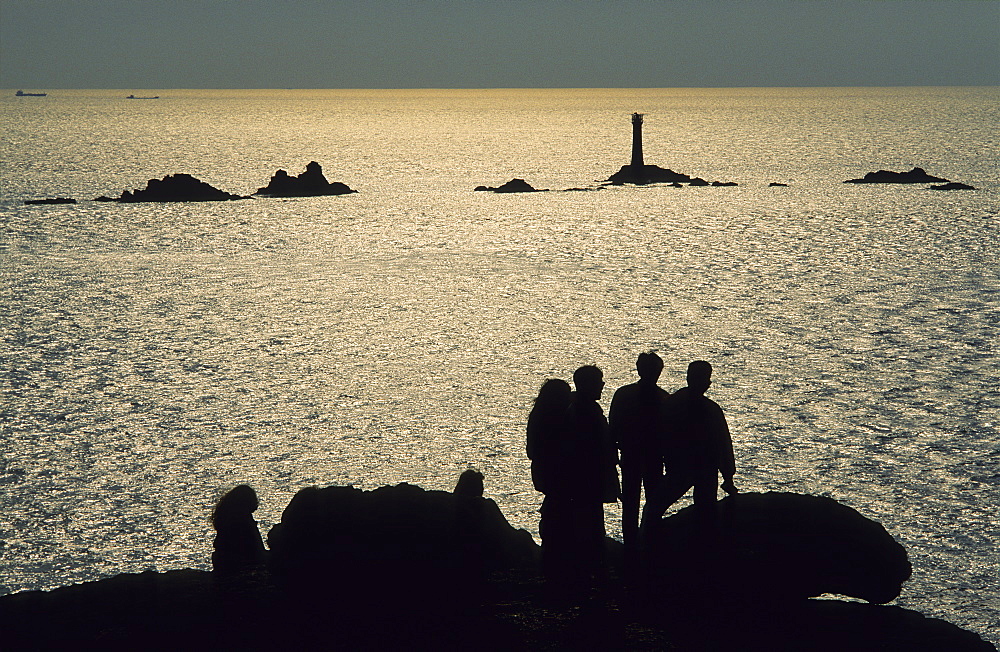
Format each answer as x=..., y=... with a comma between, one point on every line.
x=153, y=44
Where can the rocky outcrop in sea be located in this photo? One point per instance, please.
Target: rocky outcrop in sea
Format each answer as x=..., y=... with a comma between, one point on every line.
x=916, y=175
x=310, y=183
x=173, y=188
x=514, y=185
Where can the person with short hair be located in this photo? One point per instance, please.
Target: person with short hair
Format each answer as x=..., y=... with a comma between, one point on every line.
x=637, y=425
x=697, y=447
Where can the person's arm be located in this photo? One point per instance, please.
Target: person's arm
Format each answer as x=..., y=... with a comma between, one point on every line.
x=727, y=460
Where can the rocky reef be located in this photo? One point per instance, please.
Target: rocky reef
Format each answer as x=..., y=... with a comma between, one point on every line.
x=953, y=185
x=310, y=183
x=916, y=175
x=514, y=185
x=642, y=174
x=404, y=568
x=173, y=188
x=50, y=200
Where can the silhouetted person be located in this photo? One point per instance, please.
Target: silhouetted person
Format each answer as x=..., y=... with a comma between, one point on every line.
x=237, y=540
x=548, y=446
x=592, y=461
x=637, y=427
x=547, y=434
x=697, y=447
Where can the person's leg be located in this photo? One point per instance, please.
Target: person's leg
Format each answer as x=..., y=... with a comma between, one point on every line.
x=706, y=490
x=669, y=490
x=631, y=489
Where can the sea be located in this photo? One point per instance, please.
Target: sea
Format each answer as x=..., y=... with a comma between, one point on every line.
x=155, y=355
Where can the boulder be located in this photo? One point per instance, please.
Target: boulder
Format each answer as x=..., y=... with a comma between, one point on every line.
x=311, y=183
x=724, y=183
x=776, y=546
x=952, y=185
x=514, y=185
x=395, y=536
x=777, y=184
x=171, y=188
x=916, y=175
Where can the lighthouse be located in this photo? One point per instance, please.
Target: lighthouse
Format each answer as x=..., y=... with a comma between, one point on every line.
x=637, y=163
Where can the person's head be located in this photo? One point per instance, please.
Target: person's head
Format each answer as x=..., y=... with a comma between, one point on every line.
x=240, y=501
x=649, y=365
x=699, y=376
x=470, y=484
x=589, y=381
x=553, y=392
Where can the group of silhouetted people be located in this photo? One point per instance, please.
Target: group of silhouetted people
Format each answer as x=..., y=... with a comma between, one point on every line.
x=664, y=443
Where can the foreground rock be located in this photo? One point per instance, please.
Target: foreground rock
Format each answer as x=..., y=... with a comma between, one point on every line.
x=401, y=535
x=514, y=185
x=916, y=175
x=173, y=188
x=404, y=568
x=311, y=183
x=778, y=546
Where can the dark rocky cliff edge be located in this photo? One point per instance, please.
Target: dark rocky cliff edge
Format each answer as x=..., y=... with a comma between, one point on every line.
x=404, y=568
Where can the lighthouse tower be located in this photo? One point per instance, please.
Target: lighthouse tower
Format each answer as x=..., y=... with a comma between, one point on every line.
x=637, y=163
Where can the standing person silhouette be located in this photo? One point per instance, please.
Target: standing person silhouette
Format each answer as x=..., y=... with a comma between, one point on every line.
x=548, y=446
x=593, y=463
x=637, y=427
x=697, y=447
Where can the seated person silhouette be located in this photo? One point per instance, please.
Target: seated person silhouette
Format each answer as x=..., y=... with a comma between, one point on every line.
x=697, y=447
x=636, y=421
x=238, y=545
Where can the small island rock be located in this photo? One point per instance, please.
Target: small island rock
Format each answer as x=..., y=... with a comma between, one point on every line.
x=916, y=175
x=173, y=188
x=643, y=174
x=311, y=183
x=514, y=185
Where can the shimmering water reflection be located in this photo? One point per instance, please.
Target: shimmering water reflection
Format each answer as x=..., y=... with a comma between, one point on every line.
x=155, y=355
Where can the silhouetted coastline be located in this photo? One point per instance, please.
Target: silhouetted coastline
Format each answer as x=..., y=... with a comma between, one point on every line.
x=401, y=567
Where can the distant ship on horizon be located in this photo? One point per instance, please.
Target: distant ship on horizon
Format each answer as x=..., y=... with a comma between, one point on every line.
x=133, y=97
x=23, y=94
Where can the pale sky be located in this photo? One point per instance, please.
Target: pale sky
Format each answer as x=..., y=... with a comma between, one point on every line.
x=153, y=44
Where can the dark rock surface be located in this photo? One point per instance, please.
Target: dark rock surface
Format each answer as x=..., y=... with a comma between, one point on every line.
x=343, y=578
x=311, y=183
x=916, y=175
x=402, y=535
x=953, y=185
x=51, y=200
x=514, y=185
x=778, y=546
x=173, y=188
x=647, y=174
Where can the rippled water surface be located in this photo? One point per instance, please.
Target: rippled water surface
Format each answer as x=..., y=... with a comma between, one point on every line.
x=155, y=355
